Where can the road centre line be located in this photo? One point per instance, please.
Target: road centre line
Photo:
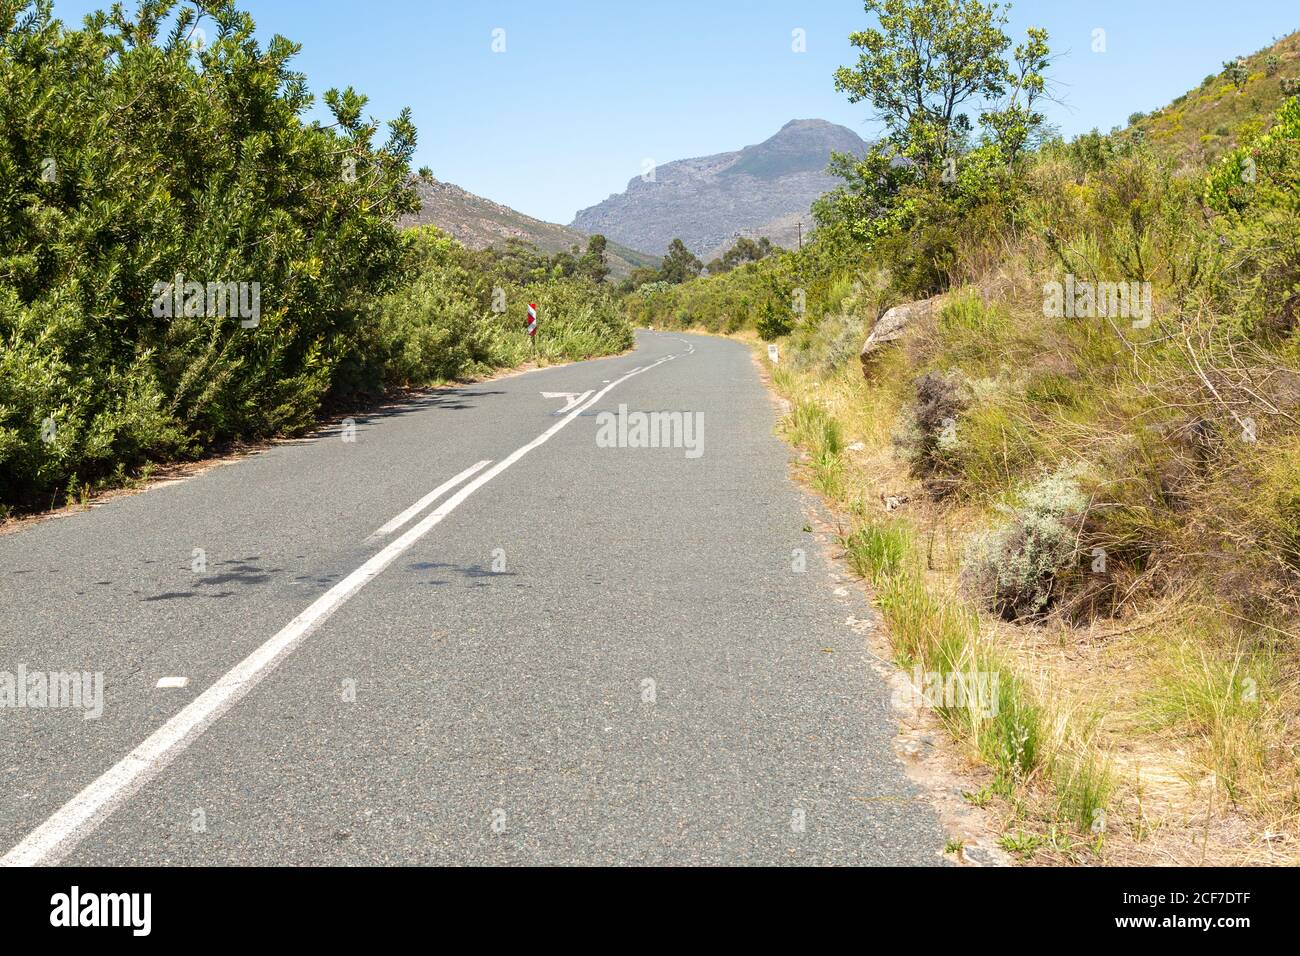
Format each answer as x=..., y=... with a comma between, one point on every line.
x=427, y=500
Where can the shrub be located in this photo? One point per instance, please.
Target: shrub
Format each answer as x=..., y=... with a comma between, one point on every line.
x=928, y=437
x=1012, y=570
x=772, y=324
x=1264, y=172
x=1257, y=190
x=212, y=173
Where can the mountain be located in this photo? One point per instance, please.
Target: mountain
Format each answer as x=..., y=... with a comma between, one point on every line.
x=478, y=223
x=763, y=190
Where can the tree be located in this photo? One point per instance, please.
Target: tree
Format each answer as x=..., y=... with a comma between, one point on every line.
x=746, y=250
x=679, y=264
x=931, y=59
x=1013, y=125
x=594, y=264
x=641, y=275
x=1236, y=72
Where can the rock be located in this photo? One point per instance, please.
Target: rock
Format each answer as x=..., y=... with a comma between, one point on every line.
x=891, y=325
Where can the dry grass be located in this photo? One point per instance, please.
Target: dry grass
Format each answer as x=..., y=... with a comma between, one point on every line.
x=1162, y=736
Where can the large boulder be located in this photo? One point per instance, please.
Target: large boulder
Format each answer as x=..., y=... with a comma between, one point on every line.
x=892, y=325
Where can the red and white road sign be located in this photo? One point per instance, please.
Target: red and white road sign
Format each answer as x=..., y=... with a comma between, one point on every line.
x=532, y=318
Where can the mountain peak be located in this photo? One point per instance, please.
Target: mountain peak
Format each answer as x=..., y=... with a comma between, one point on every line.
x=759, y=190
x=809, y=124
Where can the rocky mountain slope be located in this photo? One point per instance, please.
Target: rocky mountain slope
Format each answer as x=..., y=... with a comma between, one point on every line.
x=762, y=190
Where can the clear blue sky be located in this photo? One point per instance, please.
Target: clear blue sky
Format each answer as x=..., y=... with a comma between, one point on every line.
x=586, y=91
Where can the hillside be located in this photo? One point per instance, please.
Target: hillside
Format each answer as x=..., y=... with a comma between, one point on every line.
x=1203, y=124
x=761, y=190
x=1101, y=507
x=478, y=223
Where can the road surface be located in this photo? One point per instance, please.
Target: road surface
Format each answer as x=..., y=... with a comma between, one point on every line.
x=575, y=655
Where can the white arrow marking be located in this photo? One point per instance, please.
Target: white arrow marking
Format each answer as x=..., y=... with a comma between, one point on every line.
x=571, y=399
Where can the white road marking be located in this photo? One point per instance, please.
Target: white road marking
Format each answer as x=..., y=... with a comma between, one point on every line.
x=173, y=682
x=427, y=500
x=77, y=818
x=573, y=398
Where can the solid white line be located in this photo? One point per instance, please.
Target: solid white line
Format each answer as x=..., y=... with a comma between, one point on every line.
x=427, y=500
x=77, y=818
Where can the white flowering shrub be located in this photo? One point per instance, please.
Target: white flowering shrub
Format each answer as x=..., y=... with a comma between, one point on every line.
x=1013, y=569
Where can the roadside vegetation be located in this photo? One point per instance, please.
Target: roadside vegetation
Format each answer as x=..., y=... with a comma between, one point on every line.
x=187, y=263
x=1077, y=462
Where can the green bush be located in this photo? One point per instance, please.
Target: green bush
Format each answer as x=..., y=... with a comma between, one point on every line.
x=128, y=158
x=460, y=313
x=772, y=324
x=1256, y=189
x=1264, y=172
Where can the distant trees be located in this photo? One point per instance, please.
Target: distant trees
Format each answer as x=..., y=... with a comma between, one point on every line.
x=594, y=264
x=679, y=264
x=745, y=250
x=520, y=261
x=641, y=275
x=676, y=267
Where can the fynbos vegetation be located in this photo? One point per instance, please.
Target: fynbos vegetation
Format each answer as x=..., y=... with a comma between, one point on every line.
x=1080, y=457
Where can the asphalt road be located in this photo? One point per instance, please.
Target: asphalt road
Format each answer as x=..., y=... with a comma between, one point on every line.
x=594, y=655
